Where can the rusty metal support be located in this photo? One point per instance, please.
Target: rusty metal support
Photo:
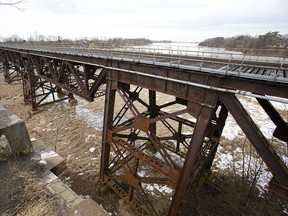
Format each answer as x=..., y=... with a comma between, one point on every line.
x=36, y=90
x=204, y=117
x=12, y=72
x=108, y=122
x=153, y=110
x=176, y=141
x=278, y=189
x=128, y=141
x=216, y=128
x=47, y=80
x=281, y=130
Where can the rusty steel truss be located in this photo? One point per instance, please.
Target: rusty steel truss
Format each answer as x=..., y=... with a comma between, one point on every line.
x=47, y=80
x=127, y=140
x=147, y=141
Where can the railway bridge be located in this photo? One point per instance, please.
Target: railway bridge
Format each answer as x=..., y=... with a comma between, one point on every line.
x=174, y=142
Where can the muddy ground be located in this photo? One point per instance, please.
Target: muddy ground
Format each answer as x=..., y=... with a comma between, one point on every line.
x=67, y=130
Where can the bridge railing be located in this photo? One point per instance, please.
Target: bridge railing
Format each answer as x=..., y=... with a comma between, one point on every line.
x=275, y=55
x=256, y=55
x=279, y=55
x=222, y=59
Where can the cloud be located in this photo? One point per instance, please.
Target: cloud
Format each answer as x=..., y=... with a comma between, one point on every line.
x=54, y=6
x=154, y=19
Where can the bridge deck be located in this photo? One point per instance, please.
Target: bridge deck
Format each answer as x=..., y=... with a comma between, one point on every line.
x=272, y=69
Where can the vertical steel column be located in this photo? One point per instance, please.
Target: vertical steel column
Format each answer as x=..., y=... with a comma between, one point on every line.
x=1, y=59
x=216, y=136
x=134, y=170
x=33, y=86
x=153, y=110
x=179, y=137
x=203, y=120
x=6, y=66
x=108, y=121
x=29, y=82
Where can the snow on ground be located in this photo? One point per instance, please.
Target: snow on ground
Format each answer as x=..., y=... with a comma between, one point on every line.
x=92, y=118
x=280, y=106
x=232, y=130
x=234, y=161
x=237, y=163
x=155, y=189
x=176, y=158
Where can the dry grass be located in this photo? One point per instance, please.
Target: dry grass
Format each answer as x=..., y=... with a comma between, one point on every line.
x=21, y=191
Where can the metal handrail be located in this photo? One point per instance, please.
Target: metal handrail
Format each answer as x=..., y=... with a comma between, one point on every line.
x=216, y=53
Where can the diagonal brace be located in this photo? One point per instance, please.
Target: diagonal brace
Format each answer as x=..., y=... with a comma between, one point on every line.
x=257, y=139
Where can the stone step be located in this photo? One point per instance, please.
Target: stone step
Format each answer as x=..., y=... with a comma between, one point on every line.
x=55, y=164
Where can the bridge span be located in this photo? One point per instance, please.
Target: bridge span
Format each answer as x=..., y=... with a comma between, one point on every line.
x=204, y=88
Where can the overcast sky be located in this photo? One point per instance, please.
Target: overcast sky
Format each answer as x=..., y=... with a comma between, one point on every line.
x=177, y=20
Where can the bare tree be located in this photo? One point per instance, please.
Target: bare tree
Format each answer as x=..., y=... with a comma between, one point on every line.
x=13, y=4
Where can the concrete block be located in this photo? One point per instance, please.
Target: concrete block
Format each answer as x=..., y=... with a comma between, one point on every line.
x=53, y=162
x=15, y=131
x=88, y=208
x=74, y=203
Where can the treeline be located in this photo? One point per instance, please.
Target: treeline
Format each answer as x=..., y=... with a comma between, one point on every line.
x=162, y=41
x=82, y=42
x=270, y=40
x=122, y=42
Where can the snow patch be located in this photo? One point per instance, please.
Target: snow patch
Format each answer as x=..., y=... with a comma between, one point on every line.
x=92, y=118
x=92, y=149
x=85, y=196
x=32, y=139
x=48, y=154
x=225, y=161
x=90, y=138
x=259, y=116
x=163, y=189
x=252, y=166
x=69, y=156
